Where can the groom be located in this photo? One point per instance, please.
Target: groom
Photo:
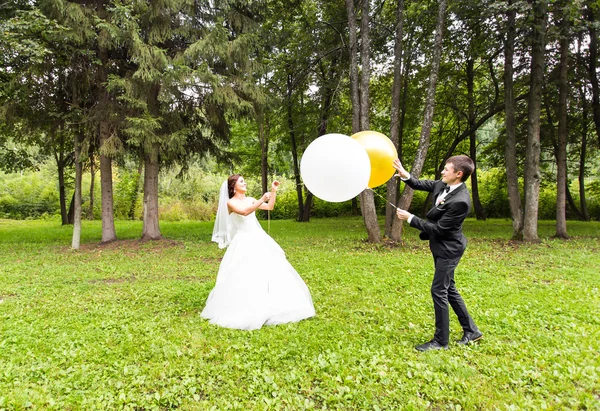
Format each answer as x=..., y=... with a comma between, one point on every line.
x=447, y=242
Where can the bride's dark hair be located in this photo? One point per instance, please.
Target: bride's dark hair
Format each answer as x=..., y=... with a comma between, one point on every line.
x=231, y=184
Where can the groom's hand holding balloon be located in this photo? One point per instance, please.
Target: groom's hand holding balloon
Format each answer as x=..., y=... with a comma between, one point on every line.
x=402, y=173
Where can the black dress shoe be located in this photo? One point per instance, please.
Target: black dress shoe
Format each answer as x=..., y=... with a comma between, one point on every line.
x=470, y=337
x=431, y=345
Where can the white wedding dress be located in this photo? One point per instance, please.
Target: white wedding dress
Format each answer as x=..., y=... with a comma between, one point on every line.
x=256, y=285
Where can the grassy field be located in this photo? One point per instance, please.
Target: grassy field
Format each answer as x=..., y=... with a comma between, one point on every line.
x=118, y=326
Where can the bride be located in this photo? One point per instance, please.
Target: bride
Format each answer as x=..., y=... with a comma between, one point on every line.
x=256, y=285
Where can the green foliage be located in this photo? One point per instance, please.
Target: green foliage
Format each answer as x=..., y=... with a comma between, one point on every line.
x=25, y=37
x=193, y=195
x=17, y=157
x=118, y=326
x=29, y=195
x=194, y=210
x=493, y=193
x=127, y=194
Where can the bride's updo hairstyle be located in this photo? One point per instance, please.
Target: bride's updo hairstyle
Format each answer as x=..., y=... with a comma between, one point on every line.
x=231, y=184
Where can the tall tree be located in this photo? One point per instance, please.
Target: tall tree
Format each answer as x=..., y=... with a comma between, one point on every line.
x=532, y=160
x=561, y=149
x=510, y=151
x=36, y=92
x=109, y=142
x=361, y=104
x=421, y=154
x=584, y=121
x=392, y=185
x=291, y=35
x=593, y=13
x=76, y=239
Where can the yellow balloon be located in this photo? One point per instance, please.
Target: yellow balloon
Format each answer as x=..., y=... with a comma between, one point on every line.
x=382, y=154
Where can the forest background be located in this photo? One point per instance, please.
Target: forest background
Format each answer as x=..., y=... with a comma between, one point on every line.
x=139, y=110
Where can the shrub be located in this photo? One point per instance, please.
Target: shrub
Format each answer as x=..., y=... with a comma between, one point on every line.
x=194, y=196
x=126, y=193
x=30, y=194
x=178, y=210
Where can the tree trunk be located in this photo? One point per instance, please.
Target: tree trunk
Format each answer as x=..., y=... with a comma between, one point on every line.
x=582, y=157
x=354, y=207
x=307, y=207
x=572, y=204
x=290, y=123
x=365, y=72
x=392, y=184
x=106, y=186
x=60, y=166
x=264, y=151
x=561, y=149
x=510, y=150
x=532, y=160
x=421, y=154
x=71, y=210
x=92, y=179
x=151, y=230
x=478, y=208
x=76, y=240
x=353, y=52
x=405, y=90
x=593, y=68
x=361, y=105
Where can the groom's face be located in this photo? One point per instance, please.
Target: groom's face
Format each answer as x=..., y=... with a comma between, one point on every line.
x=450, y=176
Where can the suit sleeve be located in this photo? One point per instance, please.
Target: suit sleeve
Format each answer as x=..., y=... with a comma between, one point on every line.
x=450, y=222
x=422, y=185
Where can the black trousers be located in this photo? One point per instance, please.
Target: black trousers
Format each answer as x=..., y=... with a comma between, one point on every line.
x=443, y=291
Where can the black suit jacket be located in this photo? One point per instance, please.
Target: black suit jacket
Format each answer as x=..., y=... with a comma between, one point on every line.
x=443, y=227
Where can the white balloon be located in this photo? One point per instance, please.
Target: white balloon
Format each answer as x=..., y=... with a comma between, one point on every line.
x=335, y=168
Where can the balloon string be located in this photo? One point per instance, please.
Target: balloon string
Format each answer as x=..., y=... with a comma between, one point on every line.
x=269, y=221
x=369, y=188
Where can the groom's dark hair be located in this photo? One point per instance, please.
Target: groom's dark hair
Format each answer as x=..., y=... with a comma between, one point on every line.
x=231, y=184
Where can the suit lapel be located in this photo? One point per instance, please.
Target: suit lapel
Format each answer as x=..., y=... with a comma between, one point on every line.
x=454, y=192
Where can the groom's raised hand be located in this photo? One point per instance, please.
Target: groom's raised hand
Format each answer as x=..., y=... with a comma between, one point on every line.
x=402, y=173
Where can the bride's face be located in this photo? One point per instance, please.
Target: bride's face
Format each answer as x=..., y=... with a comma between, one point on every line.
x=240, y=185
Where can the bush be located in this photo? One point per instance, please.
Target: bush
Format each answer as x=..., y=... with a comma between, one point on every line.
x=194, y=196
x=126, y=193
x=28, y=195
x=178, y=210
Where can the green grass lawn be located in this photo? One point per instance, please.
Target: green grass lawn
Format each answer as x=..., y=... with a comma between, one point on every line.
x=118, y=326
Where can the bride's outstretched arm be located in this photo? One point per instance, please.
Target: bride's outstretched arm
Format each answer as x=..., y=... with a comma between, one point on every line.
x=245, y=207
x=271, y=204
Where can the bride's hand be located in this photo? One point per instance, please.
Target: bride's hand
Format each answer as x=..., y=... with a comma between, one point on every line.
x=266, y=197
x=275, y=185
